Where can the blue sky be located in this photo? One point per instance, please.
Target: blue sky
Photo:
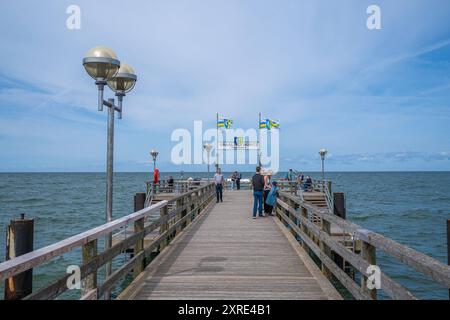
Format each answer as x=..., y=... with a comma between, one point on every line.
x=377, y=100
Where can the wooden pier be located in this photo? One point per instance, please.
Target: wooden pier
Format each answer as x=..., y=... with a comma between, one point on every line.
x=228, y=255
x=184, y=245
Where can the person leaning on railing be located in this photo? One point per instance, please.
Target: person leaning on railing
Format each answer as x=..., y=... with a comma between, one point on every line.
x=307, y=184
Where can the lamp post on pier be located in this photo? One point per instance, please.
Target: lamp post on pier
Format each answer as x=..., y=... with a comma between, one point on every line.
x=102, y=65
x=208, y=148
x=323, y=153
x=154, y=155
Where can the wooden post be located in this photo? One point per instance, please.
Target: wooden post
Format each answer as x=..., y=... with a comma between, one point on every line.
x=368, y=253
x=139, y=201
x=89, y=252
x=339, y=209
x=138, y=247
x=19, y=240
x=304, y=214
x=164, y=211
x=448, y=248
x=139, y=204
x=293, y=218
x=180, y=203
x=325, y=249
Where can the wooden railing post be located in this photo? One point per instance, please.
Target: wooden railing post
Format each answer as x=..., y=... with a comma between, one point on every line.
x=89, y=252
x=304, y=213
x=448, y=248
x=292, y=217
x=138, y=247
x=19, y=241
x=197, y=203
x=324, y=248
x=164, y=226
x=179, y=204
x=368, y=253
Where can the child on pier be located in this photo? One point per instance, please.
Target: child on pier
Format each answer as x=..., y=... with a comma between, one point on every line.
x=271, y=200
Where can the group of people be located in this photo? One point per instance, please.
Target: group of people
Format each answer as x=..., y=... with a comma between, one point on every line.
x=305, y=182
x=265, y=192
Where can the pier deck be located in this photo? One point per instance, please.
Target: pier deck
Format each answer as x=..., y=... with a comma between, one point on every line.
x=225, y=254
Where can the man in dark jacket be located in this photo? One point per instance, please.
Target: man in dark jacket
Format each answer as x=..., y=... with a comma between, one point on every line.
x=258, y=187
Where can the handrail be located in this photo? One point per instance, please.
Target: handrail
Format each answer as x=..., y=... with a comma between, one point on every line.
x=150, y=194
x=188, y=205
x=29, y=260
x=422, y=263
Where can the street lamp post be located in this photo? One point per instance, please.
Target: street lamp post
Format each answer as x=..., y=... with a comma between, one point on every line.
x=102, y=65
x=154, y=155
x=323, y=153
x=208, y=148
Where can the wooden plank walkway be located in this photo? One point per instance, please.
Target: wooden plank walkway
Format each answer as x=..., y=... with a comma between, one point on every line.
x=225, y=254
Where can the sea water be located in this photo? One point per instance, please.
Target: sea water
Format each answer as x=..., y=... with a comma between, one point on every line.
x=408, y=207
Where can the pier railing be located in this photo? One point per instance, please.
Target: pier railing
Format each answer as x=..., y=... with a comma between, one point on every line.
x=315, y=237
x=177, y=186
x=175, y=215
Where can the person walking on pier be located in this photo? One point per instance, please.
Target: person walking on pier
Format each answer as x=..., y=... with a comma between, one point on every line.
x=258, y=187
x=218, y=181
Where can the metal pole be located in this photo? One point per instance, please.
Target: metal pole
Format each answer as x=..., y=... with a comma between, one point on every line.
x=448, y=248
x=217, y=141
x=323, y=175
x=259, y=140
x=323, y=171
x=109, y=185
x=208, y=151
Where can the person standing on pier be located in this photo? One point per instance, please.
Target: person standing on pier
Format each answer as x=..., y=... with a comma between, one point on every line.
x=238, y=181
x=258, y=187
x=156, y=176
x=267, y=187
x=156, y=180
x=218, y=181
x=233, y=180
x=271, y=200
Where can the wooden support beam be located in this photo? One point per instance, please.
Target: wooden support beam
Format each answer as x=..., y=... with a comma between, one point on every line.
x=164, y=211
x=368, y=253
x=325, y=248
x=139, y=246
x=89, y=253
x=19, y=241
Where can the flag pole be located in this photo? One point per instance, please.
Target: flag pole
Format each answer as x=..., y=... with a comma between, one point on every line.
x=259, y=141
x=217, y=141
